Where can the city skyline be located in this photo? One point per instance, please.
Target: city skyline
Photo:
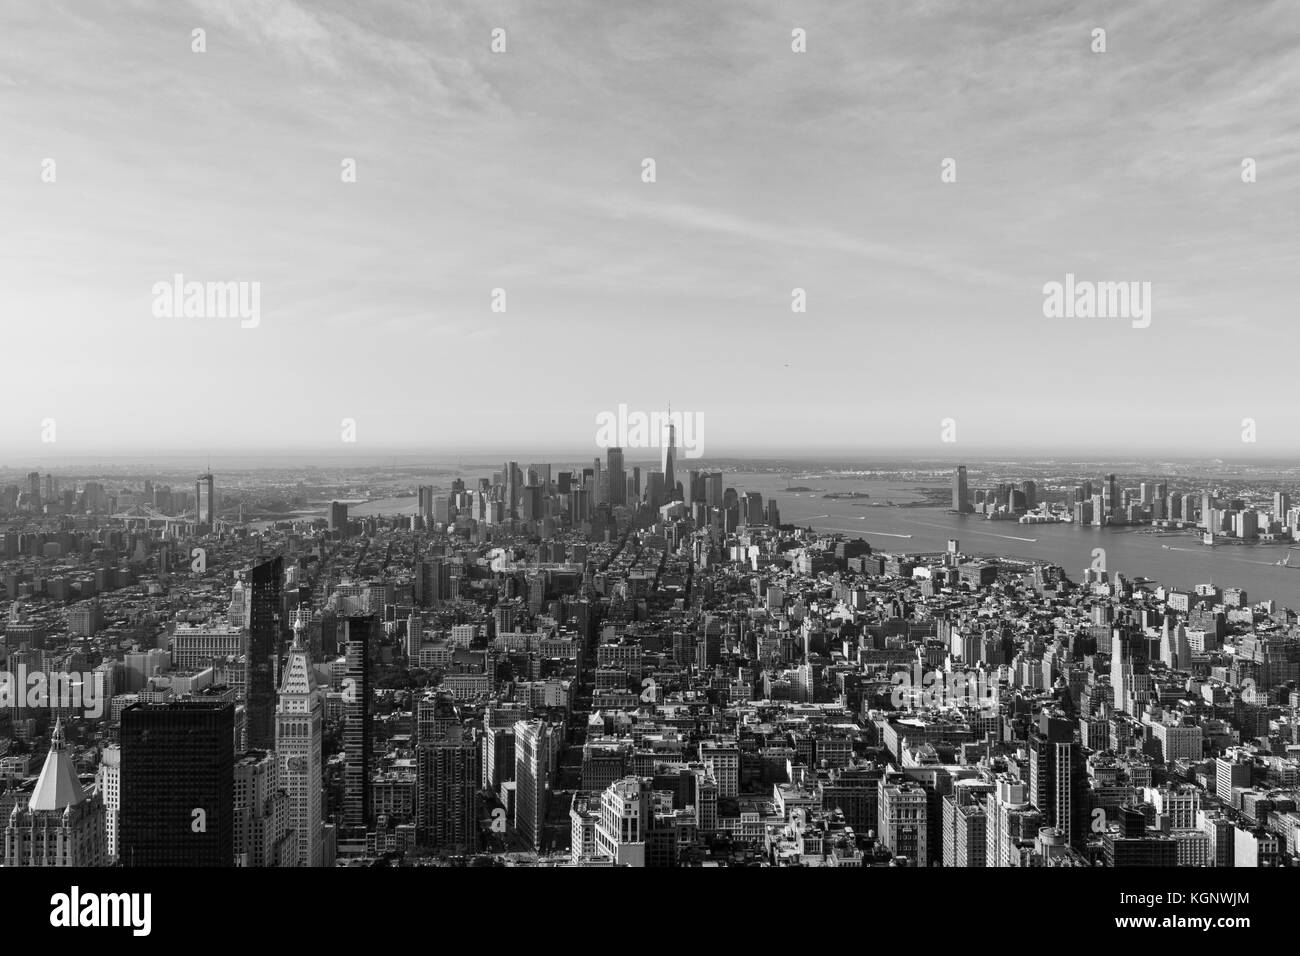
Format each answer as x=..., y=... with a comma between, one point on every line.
x=1025, y=749
x=450, y=435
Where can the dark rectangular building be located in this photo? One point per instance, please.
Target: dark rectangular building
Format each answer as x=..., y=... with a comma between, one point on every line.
x=264, y=639
x=357, y=763
x=448, y=777
x=178, y=779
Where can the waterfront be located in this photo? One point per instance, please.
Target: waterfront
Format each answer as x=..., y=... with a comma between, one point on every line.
x=1184, y=564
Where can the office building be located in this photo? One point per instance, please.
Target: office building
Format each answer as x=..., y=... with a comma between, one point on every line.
x=339, y=518
x=178, y=763
x=299, y=725
x=904, y=821
x=533, y=766
x=670, y=461
x=448, y=775
x=357, y=760
x=626, y=815
x=1058, y=778
x=960, y=492
x=262, y=585
x=261, y=834
x=205, y=502
x=617, y=477
x=61, y=825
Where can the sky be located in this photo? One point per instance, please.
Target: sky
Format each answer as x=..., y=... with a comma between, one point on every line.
x=774, y=170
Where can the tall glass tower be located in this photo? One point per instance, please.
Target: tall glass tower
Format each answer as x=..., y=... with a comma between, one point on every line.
x=670, y=460
x=960, y=493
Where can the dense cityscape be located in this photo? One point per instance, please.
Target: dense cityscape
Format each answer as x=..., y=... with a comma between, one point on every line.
x=607, y=664
x=359, y=519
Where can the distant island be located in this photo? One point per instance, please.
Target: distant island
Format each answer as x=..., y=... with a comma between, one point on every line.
x=801, y=488
x=847, y=494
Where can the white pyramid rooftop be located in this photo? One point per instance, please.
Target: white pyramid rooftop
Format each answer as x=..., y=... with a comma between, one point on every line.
x=58, y=786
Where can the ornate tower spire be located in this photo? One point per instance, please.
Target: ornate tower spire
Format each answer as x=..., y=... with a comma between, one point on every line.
x=299, y=625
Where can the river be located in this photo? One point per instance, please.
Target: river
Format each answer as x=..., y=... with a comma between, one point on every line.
x=1184, y=564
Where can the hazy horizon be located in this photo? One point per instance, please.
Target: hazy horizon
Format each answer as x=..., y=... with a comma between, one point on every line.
x=379, y=457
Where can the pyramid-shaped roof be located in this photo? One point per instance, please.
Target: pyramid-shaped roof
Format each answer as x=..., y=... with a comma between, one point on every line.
x=299, y=678
x=58, y=787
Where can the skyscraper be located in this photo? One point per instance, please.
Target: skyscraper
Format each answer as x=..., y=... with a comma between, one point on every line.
x=205, y=504
x=655, y=489
x=109, y=781
x=261, y=820
x=960, y=493
x=432, y=582
x=178, y=776
x=356, y=729
x=1030, y=490
x=1175, y=651
x=298, y=728
x=532, y=507
x=1110, y=495
x=773, y=513
x=617, y=477
x=1058, y=778
x=512, y=489
x=263, y=650
x=670, y=461
x=447, y=776
x=414, y=636
x=532, y=779
x=1005, y=807
x=339, y=518
x=713, y=489
x=1117, y=647
x=1129, y=680
x=542, y=470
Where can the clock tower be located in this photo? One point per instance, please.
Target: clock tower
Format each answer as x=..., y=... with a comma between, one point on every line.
x=299, y=717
